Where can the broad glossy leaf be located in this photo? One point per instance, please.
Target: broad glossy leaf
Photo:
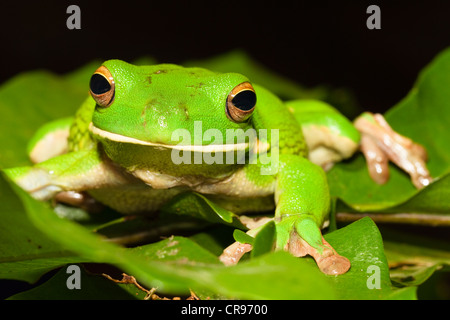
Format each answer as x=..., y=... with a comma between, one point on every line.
x=92, y=287
x=26, y=253
x=265, y=240
x=242, y=237
x=195, y=205
x=151, y=264
x=362, y=244
x=413, y=258
x=27, y=101
x=176, y=264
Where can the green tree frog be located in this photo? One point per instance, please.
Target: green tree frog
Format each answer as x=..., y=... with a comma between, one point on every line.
x=148, y=133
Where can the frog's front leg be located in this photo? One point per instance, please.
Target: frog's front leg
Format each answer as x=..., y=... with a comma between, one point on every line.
x=302, y=206
x=50, y=140
x=380, y=143
x=71, y=172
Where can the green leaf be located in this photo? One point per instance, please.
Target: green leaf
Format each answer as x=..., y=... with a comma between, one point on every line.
x=273, y=276
x=198, y=206
x=92, y=287
x=175, y=264
x=265, y=240
x=362, y=244
x=170, y=267
x=176, y=249
x=28, y=101
x=26, y=253
x=413, y=258
x=242, y=237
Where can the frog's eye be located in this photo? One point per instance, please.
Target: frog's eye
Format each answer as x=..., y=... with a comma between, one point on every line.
x=241, y=102
x=102, y=87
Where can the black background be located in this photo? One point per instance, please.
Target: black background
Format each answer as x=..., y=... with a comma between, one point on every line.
x=311, y=42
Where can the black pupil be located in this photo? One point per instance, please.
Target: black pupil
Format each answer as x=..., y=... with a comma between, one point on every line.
x=99, y=84
x=244, y=100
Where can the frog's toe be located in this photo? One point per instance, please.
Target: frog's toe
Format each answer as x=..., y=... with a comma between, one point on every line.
x=380, y=143
x=306, y=239
x=233, y=253
x=296, y=245
x=79, y=199
x=377, y=160
x=36, y=181
x=334, y=265
x=327, y=259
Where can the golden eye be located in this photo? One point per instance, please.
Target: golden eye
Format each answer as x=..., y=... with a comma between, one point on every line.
x=241, y=102
x=102, y=87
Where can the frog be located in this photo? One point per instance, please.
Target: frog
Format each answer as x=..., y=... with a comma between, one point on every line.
x=134, y=145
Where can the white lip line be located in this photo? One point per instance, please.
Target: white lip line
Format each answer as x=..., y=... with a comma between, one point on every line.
x=208, y=148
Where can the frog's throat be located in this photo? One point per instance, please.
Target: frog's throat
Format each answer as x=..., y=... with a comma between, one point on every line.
x=194, y=148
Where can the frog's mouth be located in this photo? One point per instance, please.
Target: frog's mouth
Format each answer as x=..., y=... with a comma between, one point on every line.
x=193, y=148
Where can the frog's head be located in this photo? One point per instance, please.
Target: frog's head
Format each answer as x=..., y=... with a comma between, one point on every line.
x=168, y=106
x=149, y=103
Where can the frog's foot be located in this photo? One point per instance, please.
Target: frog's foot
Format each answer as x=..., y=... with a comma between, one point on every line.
x=233, y=253
x=300, y=237
x=79, y=199
x=327, y=259
x=380, y=143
